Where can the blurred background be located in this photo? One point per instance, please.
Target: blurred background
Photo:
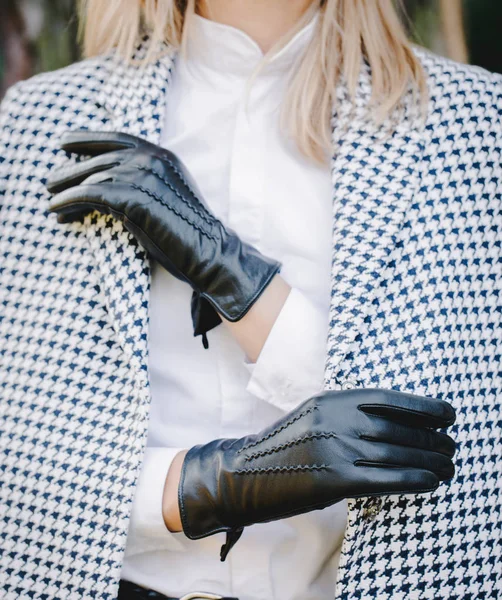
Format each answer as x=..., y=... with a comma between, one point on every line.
x=42, y=35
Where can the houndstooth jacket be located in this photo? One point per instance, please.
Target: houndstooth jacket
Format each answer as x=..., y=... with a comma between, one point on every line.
x=416, y=306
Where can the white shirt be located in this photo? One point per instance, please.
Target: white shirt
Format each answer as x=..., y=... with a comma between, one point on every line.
x=257, y=182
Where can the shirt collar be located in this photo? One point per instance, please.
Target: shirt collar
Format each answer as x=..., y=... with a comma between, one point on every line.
x=228, y=49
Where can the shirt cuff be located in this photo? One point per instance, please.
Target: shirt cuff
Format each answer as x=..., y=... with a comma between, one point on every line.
x=290, y=367
x=146, y=524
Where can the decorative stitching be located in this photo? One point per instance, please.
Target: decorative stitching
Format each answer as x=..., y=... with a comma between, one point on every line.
x=185, y=182
x=279, y=429
x=305, y=438
x=204, y=217
x=264, y=470
x=171, y=208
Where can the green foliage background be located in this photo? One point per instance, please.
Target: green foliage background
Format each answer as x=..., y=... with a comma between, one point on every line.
x=483, y=28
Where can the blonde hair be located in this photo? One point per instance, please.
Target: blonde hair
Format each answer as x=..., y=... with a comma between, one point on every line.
x=349, y=33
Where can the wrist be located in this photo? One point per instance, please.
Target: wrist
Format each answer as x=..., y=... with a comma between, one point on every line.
x=239, y=277
x=252, y=331
x=202, y=486
x=170, y=507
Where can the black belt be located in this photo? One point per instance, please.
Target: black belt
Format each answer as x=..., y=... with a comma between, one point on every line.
x=131, y=591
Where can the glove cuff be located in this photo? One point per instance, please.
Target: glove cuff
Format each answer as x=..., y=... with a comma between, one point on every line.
x=243, y=275
x=197, y=505
x=198, y=510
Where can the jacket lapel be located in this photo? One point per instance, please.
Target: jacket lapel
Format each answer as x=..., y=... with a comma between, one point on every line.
x=133, y=97
x=374, y=180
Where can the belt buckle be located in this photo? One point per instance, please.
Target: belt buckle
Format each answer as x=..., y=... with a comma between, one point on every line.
x=201, y=596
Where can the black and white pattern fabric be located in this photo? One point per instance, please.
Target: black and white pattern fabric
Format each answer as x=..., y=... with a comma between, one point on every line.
x=416, y=306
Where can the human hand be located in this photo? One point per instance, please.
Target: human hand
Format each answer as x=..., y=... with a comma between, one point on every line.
x=338, y=444
x=150, y=190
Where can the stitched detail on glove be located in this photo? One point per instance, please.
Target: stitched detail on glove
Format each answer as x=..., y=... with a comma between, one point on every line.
x=293, y=468
x=305, y=438
x=171, y=208
x=279, y=429
x=202, y=215
x=187, y=185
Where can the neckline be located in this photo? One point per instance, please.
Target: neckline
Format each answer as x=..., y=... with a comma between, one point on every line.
x=228, y=49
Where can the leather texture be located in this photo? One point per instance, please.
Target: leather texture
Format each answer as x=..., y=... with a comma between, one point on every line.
x=131, y=591
x=337, y=444
x=150, y=190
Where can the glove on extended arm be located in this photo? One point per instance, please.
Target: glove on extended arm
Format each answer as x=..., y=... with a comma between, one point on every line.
x=150, y=190
x=336, y=445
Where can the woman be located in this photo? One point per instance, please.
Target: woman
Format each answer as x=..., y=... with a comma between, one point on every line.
x=327, y=222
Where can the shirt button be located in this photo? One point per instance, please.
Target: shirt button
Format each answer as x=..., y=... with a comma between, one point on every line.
x=349, y=384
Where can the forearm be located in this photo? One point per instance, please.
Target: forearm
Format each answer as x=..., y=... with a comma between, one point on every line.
x=252, y=331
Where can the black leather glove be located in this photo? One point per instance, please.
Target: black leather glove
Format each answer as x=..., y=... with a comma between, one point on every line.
x=363, y=442
x=150, y=190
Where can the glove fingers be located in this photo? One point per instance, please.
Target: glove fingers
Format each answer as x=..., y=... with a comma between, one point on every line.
x=78, y=214
x=77, y=201
x=427, y=439
x=93, y=143
x=382, y=454
x=395, y=481
x=408, y=409
x=73, y=174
